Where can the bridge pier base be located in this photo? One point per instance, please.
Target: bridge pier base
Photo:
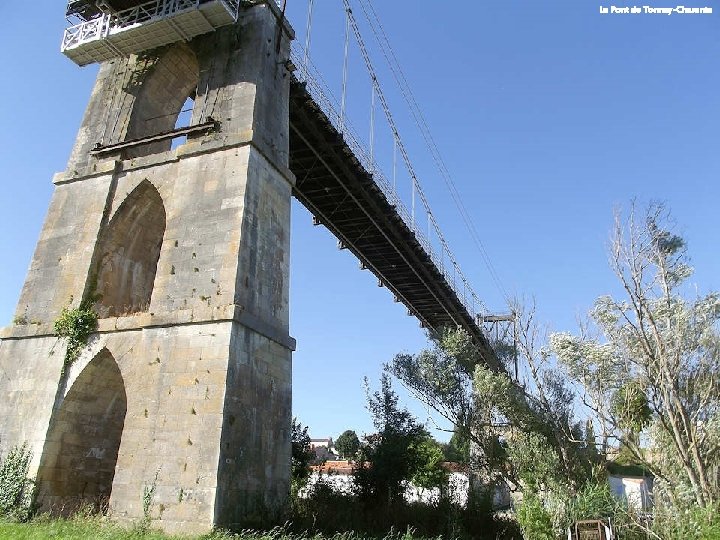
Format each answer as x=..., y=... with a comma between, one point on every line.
x=178, y=410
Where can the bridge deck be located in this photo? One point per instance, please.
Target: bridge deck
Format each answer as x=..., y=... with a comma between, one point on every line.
x=334, y=186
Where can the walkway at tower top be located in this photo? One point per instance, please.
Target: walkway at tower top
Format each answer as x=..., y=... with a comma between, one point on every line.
x=110, y=28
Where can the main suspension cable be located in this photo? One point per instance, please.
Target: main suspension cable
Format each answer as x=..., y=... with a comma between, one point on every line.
x=343, y=102
x=401, y=146
x=308, y=33
x=406, y=91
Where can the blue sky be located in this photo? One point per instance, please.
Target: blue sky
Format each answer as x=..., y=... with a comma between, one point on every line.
x=549, y=116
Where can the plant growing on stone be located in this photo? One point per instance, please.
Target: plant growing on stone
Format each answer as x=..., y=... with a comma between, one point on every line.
x=17, y=491
x=148, y=494
x=75, y=325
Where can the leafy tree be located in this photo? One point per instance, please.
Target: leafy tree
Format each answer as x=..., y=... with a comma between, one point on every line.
x=458, y=449
x=347, y=444
x=504, y=420
x=302, y=454
x=388, y=457
x=442, y=377
x=649, y=365
x=428, y=457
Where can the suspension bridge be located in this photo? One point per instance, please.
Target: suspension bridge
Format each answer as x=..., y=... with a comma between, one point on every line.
x=338, y=178
x=182, y=253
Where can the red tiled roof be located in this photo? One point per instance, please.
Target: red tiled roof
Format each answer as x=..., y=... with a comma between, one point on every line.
x=334, y=467
x=346, y=467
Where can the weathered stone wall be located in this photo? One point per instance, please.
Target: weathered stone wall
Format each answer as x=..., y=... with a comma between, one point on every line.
x=29, y=375
x=186, y=254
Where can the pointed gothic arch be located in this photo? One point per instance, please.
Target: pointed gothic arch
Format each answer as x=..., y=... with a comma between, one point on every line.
x=169, y=83
x=78, y=462
x=128, y=252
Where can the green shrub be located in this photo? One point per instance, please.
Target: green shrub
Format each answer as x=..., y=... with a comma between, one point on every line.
x=301, y=455
x=16, y=489
x=593, y=501
x=534, y=519
x=692, y=524
x=75, y=325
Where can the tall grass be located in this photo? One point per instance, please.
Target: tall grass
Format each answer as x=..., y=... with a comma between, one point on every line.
x=84, y=528
x=78, y=528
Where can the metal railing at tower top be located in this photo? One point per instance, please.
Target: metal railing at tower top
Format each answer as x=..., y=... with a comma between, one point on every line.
x=107, y=24
x=329, y=105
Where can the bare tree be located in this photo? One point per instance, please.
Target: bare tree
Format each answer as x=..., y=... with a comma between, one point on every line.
x=654, y=376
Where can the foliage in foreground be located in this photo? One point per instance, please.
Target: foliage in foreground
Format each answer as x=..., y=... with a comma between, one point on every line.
x=651, y=374
x=301, y=455
x=645, y=371
x=693, y=524
x=534, y=519
x=16, y=489
x=78, y=528
x=97, y=528
x=326, y=510
x=399, y=451
x=551, y=516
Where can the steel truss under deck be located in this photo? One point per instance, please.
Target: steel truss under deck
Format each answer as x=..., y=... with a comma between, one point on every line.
x=344, y=197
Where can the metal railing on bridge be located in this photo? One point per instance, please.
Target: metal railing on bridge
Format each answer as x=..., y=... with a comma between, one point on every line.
x=324, y=98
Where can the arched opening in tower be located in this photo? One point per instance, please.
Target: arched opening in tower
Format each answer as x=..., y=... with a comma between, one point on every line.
x=77, y=466
x=128, y=253
x=184, y=119
x=168, y=89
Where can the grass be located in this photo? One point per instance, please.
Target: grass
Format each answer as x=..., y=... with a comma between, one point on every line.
x=75, y=529
x=84, y=528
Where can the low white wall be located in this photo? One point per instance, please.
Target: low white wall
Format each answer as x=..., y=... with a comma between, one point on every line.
x=457, y=489
x=637, y=491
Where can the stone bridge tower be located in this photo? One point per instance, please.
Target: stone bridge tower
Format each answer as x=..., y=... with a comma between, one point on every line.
x=179, y=407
